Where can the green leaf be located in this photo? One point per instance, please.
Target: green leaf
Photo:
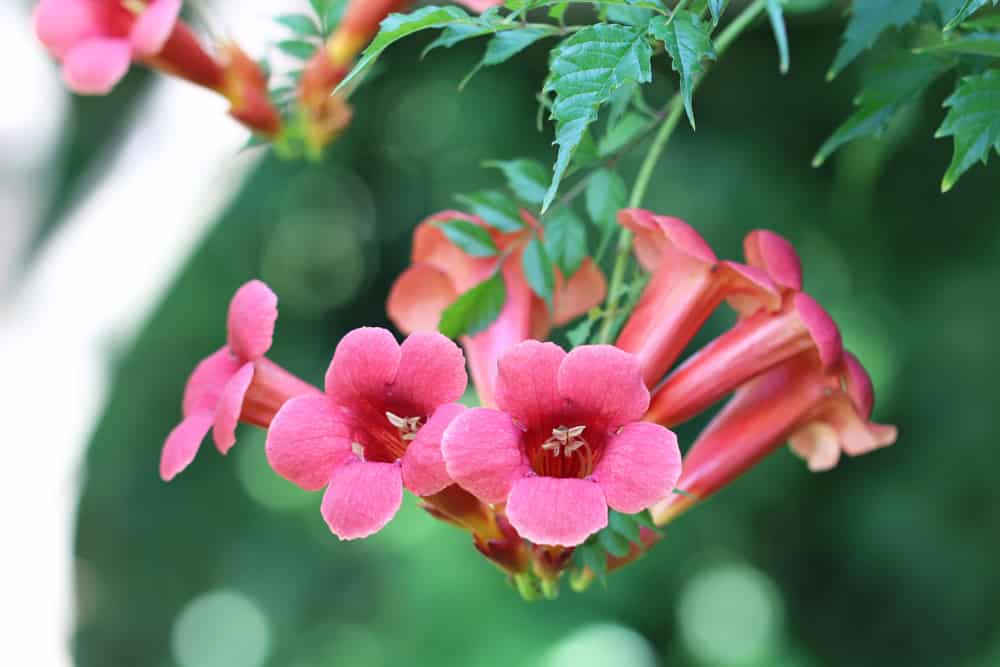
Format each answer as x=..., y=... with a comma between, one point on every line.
x=688, y=41
x=470, y=237
x=300, y=24
x=580, y=334
x=506, y=44
x=606, y=195
x=716, y=7
x=397, y=26
x=454, y=34
x=624, y=525
x=967, y=9
x=629, y=15
x=298, y=48
x=566, y=240
x=777, y=18
x=333, y=14
x=974, y=121
x=888, y=87
x=538, y=270
x=645, y=519
x=977, y=44
x=613, y=543
x=528, y=179
x=585, y=70
x=475, y=310
x=594, y=557
x=496, y=208
x=869, y=19
x=991, y=22
x=621, y=134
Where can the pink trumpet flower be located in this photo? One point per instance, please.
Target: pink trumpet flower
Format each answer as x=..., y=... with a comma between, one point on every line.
x=441, y=272
x=688, y=283
x=236, y=383
x=759, y=340
x=480, y=5
x=377, y=428
x=565, y=444
x=820, y=411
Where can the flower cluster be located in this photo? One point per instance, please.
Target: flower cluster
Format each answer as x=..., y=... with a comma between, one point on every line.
x=560, y=439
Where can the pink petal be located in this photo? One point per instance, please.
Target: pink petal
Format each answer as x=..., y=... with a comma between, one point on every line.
x=364, y=365
x=822, y=329
x=817, y=443
x=482, y=453
x=584, y=290
x=604, y=383
x=424, y=471
x=253, y=312
x=432, y=247
x=659, y=237
x=480, y=5
x=62, y=24
x=431, y=372
x=154, y=25
x=527, y=387
x=775, y=255
x=746, y=288
x=94, y=66
x=859, y=385
x=557, y=512
x=856, y=434
x=639, y=467
x=208, y=380
x=362, y=498
x=227, y=412
x=307, y=440
x=182, y=444
x=418, y=297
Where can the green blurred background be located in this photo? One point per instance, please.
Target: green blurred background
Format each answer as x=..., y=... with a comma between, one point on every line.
x=888, y=560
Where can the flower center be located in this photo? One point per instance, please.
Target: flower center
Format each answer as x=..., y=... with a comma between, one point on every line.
x=565, y=453
x=407, y=426
x=565, y=440
x=134, y=6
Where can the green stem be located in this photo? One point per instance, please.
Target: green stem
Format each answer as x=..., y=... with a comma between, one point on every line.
x=624, y=248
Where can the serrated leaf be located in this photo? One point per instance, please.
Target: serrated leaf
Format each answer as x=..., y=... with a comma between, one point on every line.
x=506, y=44
x=688, y=41
x=297, y=48
x=888, y=87
x=397, y=26
x=528, y=179
x=300, y=24
x=629, y=15
x=967, y=9
x=455, y=34
x=716, y=7
x=977, y=44
x=538, y=271
x=974, y=121
x=621, y=133
x=624, y=525
x=777, y=18
x=470, y=237
x=495, y=208
x=475, y=310
x=613, y=543
x=558, y=11
x=869, y=19
x=606, y=195
x=566, y=240
x=584, y=71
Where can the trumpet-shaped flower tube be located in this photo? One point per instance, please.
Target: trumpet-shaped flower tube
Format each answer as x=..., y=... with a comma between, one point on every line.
x=377, y=428
x=688, y=283
x=236, y=383
x=441, y=272
x=820, y=411
x=566, y=443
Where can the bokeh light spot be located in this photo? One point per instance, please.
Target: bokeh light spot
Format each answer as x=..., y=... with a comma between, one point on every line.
x=601, y=645
x=221, y=629
x=263, y=484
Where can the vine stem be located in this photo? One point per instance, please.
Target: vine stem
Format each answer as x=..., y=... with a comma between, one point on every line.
x=676, y=109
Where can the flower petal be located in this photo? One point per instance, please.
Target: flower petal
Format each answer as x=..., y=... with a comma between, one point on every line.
x=154, y=25
x=94, y=66
x=419, y=297
x=250, y=324
x=362, y=498
x=424, y=471
x=604, y=383
x=822, y=329
x=364, y=365
x=182, y=444
x=307, y=440
x=227, y=412
x=207, y=382
x=639, y=467
x=431, y=246
x=431, y=372
x=585, y=289
x=776, y=256
x=527, y=386
x=557, y=512
x=659, y=237
x=482, y=453
x=817, y=443
x=859, y=385
x=62, y=24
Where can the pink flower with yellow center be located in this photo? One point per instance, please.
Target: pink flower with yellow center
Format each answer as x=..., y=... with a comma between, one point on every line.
x=375, y=430
x=441, y=272
x=236, y=383
x=565, y=444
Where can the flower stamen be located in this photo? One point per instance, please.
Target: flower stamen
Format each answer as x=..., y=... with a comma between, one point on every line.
x=407, y=426
x=358, y=449
x=565, y=440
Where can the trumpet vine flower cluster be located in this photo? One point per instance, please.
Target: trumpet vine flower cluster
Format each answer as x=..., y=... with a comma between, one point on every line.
x=560, y=439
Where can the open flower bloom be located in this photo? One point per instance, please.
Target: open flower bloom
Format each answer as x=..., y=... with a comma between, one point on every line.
x=565, y=444
x=820, y=411
x=688, y=283
x=96, y=40
x=377, y=427
x=441, y=272
x=757, y=342
x=236, y=383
